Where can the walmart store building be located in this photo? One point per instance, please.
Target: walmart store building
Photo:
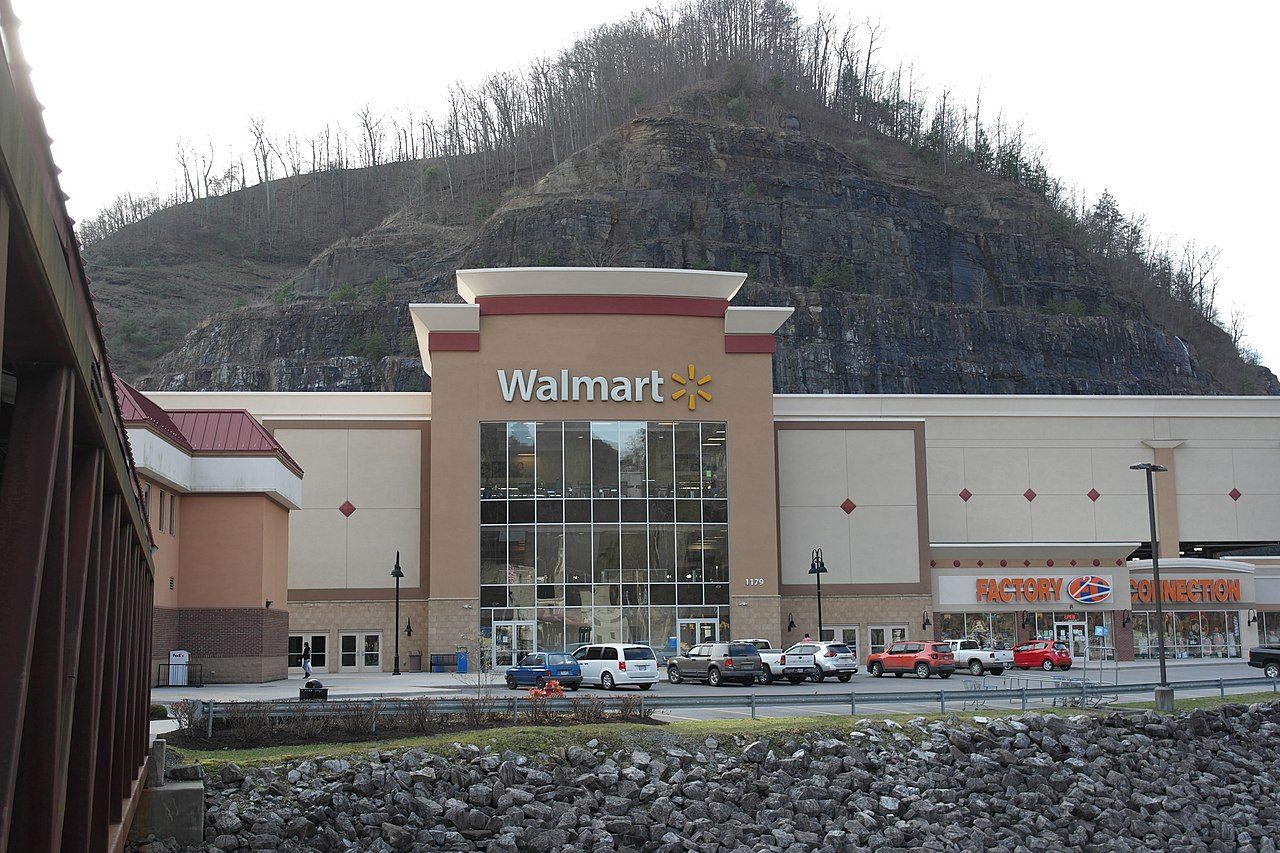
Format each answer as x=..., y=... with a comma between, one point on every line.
x=602, y=458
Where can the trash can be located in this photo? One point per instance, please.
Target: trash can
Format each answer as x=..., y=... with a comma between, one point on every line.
x=313, y=690
x=462, y=660
x=415, y=661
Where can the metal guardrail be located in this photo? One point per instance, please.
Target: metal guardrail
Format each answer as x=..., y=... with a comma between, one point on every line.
x=1082, y=694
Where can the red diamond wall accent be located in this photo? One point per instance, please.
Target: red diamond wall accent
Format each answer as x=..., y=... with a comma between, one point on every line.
x=1097, y=562
x=1029, y=495
x=1073, y=562
x=347, y=508
x=1235, y=494
x=1004, y=563
x=1026, y=564
x=965, y=494
x=1049, y=563
x=1094, y=494
x=979, y=564
x=848, y=506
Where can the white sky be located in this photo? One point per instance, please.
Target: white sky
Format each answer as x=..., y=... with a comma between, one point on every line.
x=1162, y=103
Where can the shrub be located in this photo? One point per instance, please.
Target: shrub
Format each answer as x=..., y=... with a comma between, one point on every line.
x=381, y=288
x=284, y=294
x=159, y=712
x=836, y=275
x=376, y=346
x=343, y=293
x=550, y=258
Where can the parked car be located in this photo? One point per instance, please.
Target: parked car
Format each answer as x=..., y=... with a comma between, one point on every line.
x=980, y=658
x=535, y=670
x=822, y=660
x=1266, y=658
x=613, y=664
x=924, y=658
x=1046, y=654
x=716, y=664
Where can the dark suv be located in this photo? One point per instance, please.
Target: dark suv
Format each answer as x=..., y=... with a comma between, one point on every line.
x=716, y=663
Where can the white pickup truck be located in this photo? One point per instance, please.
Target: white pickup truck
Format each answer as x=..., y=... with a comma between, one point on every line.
x=774, y=664
x=980, y=659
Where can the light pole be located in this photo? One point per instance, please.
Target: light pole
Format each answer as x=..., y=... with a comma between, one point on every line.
x=397, y=574
x=1162, y=697
x=818, y=569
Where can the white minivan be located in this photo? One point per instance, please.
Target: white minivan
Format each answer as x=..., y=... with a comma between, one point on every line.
x=613, y=664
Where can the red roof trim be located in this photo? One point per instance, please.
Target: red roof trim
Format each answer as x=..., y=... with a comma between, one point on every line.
x=653, y=306
x=750, y=343
x=453, y=342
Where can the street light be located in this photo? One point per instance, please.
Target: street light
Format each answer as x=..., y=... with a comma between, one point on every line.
x=397, y=574
x=818, y=569
x=1152, y=468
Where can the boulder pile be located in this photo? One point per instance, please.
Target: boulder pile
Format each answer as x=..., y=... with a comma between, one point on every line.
x=1207, y=780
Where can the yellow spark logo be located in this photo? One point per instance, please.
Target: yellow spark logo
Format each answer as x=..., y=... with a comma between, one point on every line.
x=693, y=393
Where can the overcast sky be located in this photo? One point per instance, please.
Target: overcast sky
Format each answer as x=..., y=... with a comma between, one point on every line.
x=1162, y=103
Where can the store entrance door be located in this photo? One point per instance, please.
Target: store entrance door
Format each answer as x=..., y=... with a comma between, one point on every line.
x=694, y=631
x=512, y=641
x=1073, y=634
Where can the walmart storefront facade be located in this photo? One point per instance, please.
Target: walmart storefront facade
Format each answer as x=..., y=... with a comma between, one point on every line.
x=601, y=457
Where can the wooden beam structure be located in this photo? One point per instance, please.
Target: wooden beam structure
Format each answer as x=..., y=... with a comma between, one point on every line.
x=75, y=551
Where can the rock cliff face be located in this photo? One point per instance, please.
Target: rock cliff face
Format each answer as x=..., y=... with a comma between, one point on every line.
x=904, y=281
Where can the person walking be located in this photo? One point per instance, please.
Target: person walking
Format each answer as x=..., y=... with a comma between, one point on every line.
x=306, y=660
x=807, y=638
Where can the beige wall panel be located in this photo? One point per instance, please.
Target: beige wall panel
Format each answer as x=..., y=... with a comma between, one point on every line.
x=945, y=467
x=1112, y=475
x=322, y=454
x=1060, y=470
x=1062, y=518
x=999, y=518
x=948, y=519
x=317, y=549
x=996, y=471
x=882, y=467
x=1257, y=472
x=373, y=537
x=1123, y=518
x=1258, y=516
x=883, y=542
x=384, y=468
x=1205, y=517
x=813, y=467
x=1202, y=470
x=802, y=530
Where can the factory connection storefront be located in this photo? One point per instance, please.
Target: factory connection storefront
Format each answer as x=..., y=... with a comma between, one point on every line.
x=601, y=457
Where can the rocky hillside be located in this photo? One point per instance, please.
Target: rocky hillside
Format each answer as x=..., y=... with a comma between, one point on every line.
x=906, y=278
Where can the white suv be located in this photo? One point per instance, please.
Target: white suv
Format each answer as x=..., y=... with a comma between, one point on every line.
x=613, y=664
x=824, y=659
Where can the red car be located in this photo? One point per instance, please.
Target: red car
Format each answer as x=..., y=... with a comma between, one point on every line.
x=1046, y=654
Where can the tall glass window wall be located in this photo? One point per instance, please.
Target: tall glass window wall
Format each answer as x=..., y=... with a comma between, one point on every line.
x=602, y=531
x=994, y=628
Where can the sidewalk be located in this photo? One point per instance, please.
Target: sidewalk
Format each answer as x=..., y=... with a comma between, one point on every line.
x=344, y=685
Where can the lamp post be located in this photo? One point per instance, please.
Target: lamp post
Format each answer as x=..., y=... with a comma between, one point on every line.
x=397, y=574
x=1164, y=693
x=817, y=568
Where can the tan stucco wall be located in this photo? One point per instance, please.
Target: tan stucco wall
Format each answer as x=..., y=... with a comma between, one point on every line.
x=231, y=551
x=168, y=546
x=466, y=391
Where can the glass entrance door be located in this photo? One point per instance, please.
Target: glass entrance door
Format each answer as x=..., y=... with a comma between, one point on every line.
x=358, y=652
x=1073, y=634
x=694, y=631
x=512, y=641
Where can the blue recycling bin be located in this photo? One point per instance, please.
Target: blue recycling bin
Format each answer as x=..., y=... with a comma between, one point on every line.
x=462, y=661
